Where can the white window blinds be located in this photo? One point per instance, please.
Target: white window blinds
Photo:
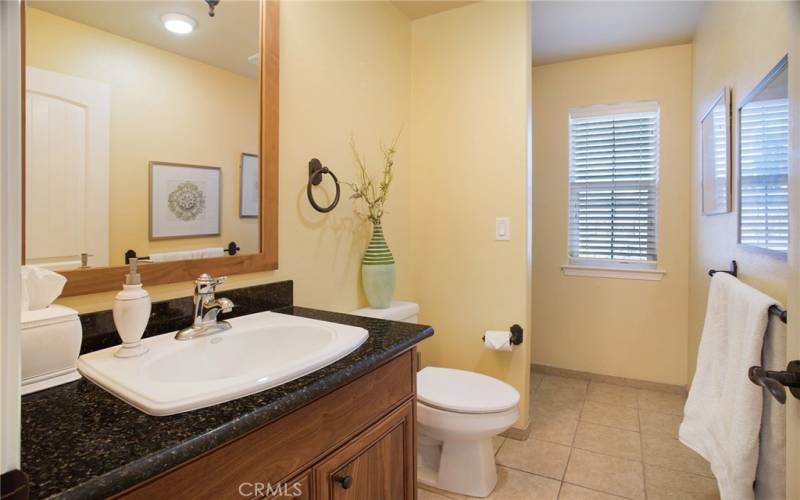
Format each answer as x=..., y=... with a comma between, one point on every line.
x=613, y=181
x=764, y=174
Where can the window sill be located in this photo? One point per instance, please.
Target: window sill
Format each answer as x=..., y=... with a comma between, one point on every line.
x=613, y=272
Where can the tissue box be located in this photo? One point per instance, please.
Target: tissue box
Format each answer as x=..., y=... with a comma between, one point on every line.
x=51, y=343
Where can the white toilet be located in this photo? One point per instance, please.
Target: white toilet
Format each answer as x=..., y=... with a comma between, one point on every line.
x=458, y=413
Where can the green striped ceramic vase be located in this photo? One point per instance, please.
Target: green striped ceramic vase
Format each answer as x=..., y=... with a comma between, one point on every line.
x=377, y=271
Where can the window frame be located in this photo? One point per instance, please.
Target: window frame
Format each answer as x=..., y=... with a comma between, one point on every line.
x=614, y=268
x=782, y=64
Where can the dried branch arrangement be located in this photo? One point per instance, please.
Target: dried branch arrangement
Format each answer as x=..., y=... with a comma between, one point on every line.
x=372, y=194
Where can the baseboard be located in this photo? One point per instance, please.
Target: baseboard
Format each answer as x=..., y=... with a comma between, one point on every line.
x=609, y=379
x=518, y=434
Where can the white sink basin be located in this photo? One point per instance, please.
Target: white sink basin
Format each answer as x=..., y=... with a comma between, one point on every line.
x=261, y=351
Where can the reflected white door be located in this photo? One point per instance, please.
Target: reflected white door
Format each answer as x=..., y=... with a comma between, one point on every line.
x=67, y=163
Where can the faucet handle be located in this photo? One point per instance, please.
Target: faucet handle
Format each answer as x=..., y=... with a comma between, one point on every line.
x=206, y=279
x=205, y=283
x=225, y=305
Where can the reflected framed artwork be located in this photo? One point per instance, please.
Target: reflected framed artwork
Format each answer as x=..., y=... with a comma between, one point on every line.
x=184, y=200
x=716, y=164
x=249, y=186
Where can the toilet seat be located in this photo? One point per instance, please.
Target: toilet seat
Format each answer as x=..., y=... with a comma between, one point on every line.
x=461, y=391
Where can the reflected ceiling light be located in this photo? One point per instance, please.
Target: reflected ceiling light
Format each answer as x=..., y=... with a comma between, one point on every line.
x=178, y=23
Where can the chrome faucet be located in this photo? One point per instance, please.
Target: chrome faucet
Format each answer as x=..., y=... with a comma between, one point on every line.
x=206, y=309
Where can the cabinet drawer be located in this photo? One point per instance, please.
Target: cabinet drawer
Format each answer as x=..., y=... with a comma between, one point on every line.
x=378, y=465
x=290, y=444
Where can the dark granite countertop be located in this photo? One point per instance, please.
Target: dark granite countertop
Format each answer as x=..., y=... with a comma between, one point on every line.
x=79, y=441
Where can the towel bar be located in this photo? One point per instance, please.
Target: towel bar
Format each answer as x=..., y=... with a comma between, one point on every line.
x=780, y=313
x=231, y=249
x=734, y=271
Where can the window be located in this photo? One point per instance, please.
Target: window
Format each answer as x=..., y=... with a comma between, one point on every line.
x=613, y=185
x=764, y=164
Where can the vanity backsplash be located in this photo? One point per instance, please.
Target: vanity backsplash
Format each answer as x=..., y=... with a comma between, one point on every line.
x=170, y=315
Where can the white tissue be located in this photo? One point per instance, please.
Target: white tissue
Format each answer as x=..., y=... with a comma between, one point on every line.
x=497, y=340
x=40, y=287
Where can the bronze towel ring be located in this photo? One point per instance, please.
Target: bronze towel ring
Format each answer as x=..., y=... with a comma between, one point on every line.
x=315, y=171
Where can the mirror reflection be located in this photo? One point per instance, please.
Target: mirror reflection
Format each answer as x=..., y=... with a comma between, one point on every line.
x=142, y=131
x=764, y=163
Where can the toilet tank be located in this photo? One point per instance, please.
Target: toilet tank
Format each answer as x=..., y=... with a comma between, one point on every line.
x=397, y=311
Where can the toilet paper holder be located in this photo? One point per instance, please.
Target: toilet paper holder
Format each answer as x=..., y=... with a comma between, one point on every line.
x=516, y=335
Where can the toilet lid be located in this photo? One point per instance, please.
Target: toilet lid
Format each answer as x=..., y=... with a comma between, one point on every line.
x=464, y=392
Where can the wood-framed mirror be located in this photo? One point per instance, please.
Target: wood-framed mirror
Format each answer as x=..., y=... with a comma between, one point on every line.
x=147, y=127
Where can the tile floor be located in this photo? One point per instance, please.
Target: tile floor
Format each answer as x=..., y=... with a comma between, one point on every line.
x=598, y=441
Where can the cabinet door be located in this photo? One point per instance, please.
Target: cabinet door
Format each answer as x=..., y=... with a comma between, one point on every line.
x=377, y=465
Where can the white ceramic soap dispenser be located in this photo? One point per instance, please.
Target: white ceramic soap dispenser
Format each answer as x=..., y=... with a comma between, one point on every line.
x=131, y=313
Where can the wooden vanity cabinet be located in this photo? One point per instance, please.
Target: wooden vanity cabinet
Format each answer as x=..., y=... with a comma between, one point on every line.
x=355, y=443
x=374, y=465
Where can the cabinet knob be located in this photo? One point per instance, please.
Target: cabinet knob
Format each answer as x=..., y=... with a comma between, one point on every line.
x=345, y=481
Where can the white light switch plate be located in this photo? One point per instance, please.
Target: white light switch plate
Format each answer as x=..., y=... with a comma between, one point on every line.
x=502, y=229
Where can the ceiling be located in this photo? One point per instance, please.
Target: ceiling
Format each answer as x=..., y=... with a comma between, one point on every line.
x=564, y=30
x=415, y=9
x=227, y=40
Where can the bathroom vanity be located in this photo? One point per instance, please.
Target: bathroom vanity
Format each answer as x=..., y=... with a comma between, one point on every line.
x=343, y=431
x=356, y=442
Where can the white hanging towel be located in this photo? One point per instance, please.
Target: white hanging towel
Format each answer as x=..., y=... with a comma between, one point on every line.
x=200, y=253
x=205, y=253
x=170, y=256
x=723, y=414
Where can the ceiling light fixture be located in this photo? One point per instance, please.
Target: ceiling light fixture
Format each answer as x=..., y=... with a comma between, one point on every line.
x=178, y=23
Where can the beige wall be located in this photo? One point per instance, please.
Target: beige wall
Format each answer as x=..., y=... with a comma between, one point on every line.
x=469, y=130
x=164, y=107
x=345, y=67
x=736, y=44
x=625, y=328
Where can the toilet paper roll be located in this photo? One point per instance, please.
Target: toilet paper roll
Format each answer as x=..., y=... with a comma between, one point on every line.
x=497, y=340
